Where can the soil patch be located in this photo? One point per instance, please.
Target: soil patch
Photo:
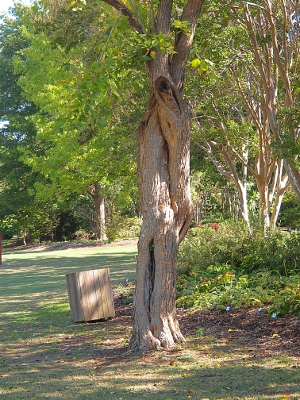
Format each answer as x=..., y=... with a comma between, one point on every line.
x=251, y=329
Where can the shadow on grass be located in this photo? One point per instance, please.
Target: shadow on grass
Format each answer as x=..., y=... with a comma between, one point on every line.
x=30, y=274
x=72, y=373
x=43, y=355
x=89, y=361
x=51, y=357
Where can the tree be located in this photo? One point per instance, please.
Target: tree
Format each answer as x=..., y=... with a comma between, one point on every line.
x=16, y=131
x=70, y=85
x=274, y=33
x=163, y=169
x=162, y=35
x=240, y=137
x=163, y=165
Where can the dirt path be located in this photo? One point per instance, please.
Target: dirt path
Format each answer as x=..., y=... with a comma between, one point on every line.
x=53, y=246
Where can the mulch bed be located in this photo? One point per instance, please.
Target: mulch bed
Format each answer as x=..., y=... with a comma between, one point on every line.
x=248, y=327
x=253, y=329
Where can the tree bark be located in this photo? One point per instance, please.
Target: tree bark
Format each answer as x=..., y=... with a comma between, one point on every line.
x=99, y=204
x=163, y=169
x=166, y=207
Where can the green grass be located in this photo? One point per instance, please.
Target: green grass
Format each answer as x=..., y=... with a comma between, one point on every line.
x=44, y=355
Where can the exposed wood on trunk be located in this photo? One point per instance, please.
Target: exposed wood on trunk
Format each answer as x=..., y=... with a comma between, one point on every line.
x=166, y=208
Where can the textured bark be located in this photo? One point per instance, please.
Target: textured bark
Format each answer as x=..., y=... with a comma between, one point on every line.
x=99, y=204
x=163, y=169
x=166, y=207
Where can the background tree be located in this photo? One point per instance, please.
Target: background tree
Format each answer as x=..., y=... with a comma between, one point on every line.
x=73, y=86
x=17, y=196
x=274, y=34
x=239, y=138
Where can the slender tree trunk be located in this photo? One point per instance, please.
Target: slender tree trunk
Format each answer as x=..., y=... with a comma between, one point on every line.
x=263, y=190
x=99, y=204
x=244, y=204
x=282, y=183
x=294, y=177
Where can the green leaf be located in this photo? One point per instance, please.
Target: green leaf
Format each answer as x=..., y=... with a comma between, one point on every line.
x=102, y=122
x=71, y=4
x=196, y=63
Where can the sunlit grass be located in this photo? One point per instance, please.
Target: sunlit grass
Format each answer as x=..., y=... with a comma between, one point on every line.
x=44, y=355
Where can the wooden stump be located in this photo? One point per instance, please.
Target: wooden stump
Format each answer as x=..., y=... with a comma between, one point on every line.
x=90, y=295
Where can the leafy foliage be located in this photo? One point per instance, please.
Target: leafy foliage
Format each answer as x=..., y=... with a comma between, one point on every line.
x=228, y=267
x=122, y=228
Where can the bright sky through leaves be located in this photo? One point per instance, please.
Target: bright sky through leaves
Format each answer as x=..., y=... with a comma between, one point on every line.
x=5, y=4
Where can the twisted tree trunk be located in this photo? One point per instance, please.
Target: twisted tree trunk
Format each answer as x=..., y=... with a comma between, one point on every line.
x=163, y=160
x=163, y=169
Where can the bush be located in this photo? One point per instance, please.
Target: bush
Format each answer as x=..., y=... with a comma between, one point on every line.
x=228, y=267
x=290, y=210
x=287, y=300
x=122, y=228
x=232, y=244
x=205, y=246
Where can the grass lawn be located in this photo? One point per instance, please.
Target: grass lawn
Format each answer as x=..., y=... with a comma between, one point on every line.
x=44, y=355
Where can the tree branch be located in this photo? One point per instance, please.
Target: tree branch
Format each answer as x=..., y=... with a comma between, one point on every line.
x=219, y=166
x=184, y=42
x=248, y=104
x=126, y=12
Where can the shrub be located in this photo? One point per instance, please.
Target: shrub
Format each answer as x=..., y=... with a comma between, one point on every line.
x=232, y=244
x=122, y=228
x=204, y=246
x=223, y=267
x=287, y=300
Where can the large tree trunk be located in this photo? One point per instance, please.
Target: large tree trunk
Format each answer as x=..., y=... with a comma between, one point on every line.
x=163, y=160
x=163, y=168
